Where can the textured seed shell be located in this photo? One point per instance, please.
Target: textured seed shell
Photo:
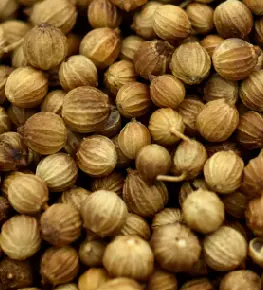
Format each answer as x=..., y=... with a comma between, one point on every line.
x=129, y=256
x=223, y=172
x=133, y=100
x=104, y=213
x=217, y=121
x=211, y=42
x=20, y=237
x=27, y=194
x=59, y=171
x=75, y=196
x=97, y=156
x=14, y=30
x=136, y=226
x=251, y=91
x=53, y=102
x=91, y=252
x=256, y=6
x=91, y=106
x=225, y=249
x=20, y=271
x=189, y=157
x=101, y=45
x=175, y=247
x=255, y=250
x=235, y=204
x=128, y=5
x=26, y=87
x=235, y=59
x=162, y=280
x=132, y=138
x=59, y=265
x=241, y=278
x=18, y=57
x=77, y=71
x=200, y=17
x=143, y=21
x=152, y=58
x=233, y=19
x=5, y=71
x=129, y=46
x=93, y=279
x=171, y=22
x=102, y=13
x=189, y=110
x=254, y=217
x=122, y=160
x=60, y=224
x=19, y=115
x=167, y=91
x=119, y=74
x=167, y=216
x=203, y=211
x=8, y=9
x=112, y=182
x=13, y=152
x=60, y=13
x=45, y=133
x=252, y=177
x=5, y=122
x=162, y=122
x=141, y=198
x=45, y=46
x=112, y=126
x=190, y=63
x=198, y=284
x=219, y=88
x=250, y=130
x=151, y=161
x=121, y=284
x=68, y=286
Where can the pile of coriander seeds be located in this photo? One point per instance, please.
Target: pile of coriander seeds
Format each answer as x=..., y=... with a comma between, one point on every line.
x=130, y=144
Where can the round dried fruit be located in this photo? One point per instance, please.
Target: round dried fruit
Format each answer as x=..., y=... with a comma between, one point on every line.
x=59, y=265
x=129, y=256
x=77, y=71
x=223, y=172
x=60, y=224
x=102, y=46
x=59, y=171
x=26, y=87
x=28, y=194
x=132, y=138
x=167, y=91
x=85, y=109
x=104, y=213
x=45, y=46
x=190, y=63
x=24, y=232
x=59, y=13
x=235, y=59
x=45, y=133
x=203, y=211
x=141, y=198
x=97, y=156
x=175, y=247
x=225, y=240
x=217, y=121
x=151, y=161
x=152, y=58
x=133, y=100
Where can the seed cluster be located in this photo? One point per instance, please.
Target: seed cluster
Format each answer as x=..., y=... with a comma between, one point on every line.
x=131, y=136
